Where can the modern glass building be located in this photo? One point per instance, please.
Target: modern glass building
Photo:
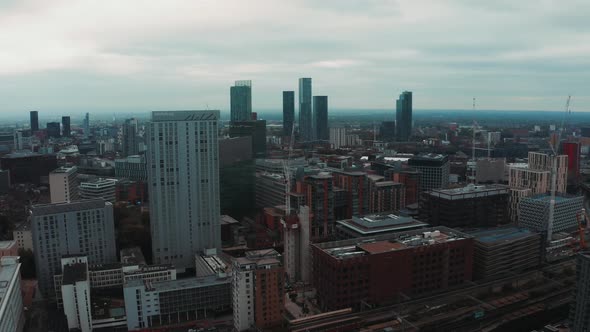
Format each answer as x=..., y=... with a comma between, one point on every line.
x=403, y=116
x=320, y=118
x=288, y=112
x=241, y=101
x=305, y=120
x=183, y=177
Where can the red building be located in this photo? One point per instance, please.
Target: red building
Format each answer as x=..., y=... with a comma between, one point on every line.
x=377, y=270
x=133, y=192
x=573, y=151
x=410, y=178
x=356, y=185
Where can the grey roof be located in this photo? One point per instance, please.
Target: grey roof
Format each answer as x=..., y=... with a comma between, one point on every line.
x=54, y=208
x=74, y=272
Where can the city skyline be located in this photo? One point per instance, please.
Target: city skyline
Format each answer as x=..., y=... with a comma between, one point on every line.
x=458, y=50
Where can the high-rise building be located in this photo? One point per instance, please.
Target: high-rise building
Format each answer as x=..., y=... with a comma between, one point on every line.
x=34, y=121
x=320, y=200
x=241, y=101
x=377, y=269
x=258, y=296
x=130, y=144
x=288, y=112
x=356, y=186
x=237, y=177
x=132, y=168
x=320, y=118
x=65, y=126
x=53, y=130
x=12, y=316
x=385, y=196
x=387, y=131
x=580, y=308
x=470, y=206
x=403, y=116
x=87, y=125
x=544, y=162
x=573, y=151
x=305, y=115
x=183, y=175
x=82, y=227
x=533, y=212
x=253, y=128
x=75, y=293
x=63, y=184
x=434, y=170
x=337, y=137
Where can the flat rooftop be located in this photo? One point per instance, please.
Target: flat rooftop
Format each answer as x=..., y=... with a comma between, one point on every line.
x=63, y=207
x=391, y=242
x=132, y=256
x=470, y=191
x=501, y=235
x=547, y=197
x=65, y=169
x=8, y=269
x=379, y=223
x=179, y=284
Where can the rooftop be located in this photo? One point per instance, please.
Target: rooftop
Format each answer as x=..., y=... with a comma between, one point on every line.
x=470, y=191
x=429, y=156
x=558, y=197
x=225, y=219
x=501, y=235
x=54, y=208
x=380, y=223
x=9, y=267
x=24, y=226
x=390, y=242
x=7, y=244
x=179, y=284
x=132, y=256
x=64, y=169
x=74, y=272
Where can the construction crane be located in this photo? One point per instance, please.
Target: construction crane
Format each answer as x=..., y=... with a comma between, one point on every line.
x=582, y=218
x=287, y=173
x=554, y=143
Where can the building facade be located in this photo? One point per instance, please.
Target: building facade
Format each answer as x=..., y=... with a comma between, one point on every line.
x=132, y=168
x=130, y=144
x=434, y=170
x=580, y=308
x=241, y=101
x=12, y=316
x=98, y=188
x=386, y=196
x=256, y=129
x=183, y=178
x=533, y=212
x=82, y=227
x=53, y=130
x=23, y=236
x=305, y=110
x=34, y=115
x=65, y=126
x=320, y=200
x=338, y=137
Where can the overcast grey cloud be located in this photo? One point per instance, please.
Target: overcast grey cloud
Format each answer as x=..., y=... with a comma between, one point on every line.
x=143, y=55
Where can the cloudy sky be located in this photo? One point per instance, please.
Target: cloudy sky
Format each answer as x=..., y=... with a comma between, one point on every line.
x=146, y=55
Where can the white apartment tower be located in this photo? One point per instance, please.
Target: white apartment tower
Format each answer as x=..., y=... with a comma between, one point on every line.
x=63, y=184
x=183, y=178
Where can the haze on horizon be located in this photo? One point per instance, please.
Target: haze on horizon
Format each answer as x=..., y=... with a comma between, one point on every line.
x=109, y=56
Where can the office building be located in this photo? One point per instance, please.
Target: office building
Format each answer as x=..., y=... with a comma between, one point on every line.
x=270, y=189
x=320, y=200
x=258, y=296
x=525, y=182
x=375, y=224
x=470, y=206
x=34, y=115
x=320, y=118
x=150, y=305
x=82, y=227
x=98, y=188
x=403, y=117
x=409, y=178
x=256, y=129
x=580, y=307
x=385, y=196
x=305, y=115
x=8, y=248
x=65, y=126
x=130, y=143
x=356, y=188
x=376, y=270
x=86, y=125
x=28, y=167
x=53, y=130
x=533, y=212
x=288, y=112
x=434, y=170
x=490, y=170
x=241, y=101
x=184, y=185
x=387, y=131
x=544, y=162
x=12, y=316
x=504, y=250
x=132, y=168
x=63, y=184
x=338, y=138
x=23, y=236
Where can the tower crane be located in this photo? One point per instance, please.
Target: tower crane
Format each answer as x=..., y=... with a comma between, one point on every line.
x=554, y=143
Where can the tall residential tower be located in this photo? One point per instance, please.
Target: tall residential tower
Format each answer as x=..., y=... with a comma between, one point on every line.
x=183, y=175
x=305, y=120
x=288, y=112
x=320, y=118
x=403, y=116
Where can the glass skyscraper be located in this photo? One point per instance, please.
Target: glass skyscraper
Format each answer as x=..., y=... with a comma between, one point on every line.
x=183, y=177
x=305, y=120
x=403, y=117
x=241, y=101
x=288, y=112
x=320, y=118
